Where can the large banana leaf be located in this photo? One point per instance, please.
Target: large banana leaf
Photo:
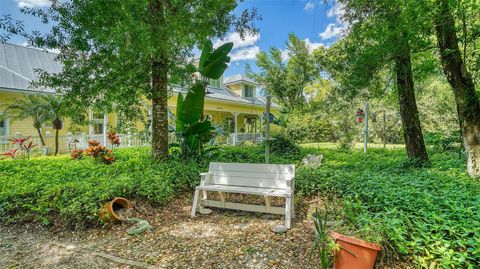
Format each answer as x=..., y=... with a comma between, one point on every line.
x=206, y=51
x=192, y=106
x=213, y=64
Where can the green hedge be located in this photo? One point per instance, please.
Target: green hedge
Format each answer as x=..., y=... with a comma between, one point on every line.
x=71, y=191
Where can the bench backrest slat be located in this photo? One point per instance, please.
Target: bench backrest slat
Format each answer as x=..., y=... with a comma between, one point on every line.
x=276, y=176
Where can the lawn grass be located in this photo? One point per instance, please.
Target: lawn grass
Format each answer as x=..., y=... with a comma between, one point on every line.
x=430, y=214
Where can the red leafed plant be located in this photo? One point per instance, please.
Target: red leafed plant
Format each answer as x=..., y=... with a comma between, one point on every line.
x=114, y=139
x=99, y=153
x=11, y=153
x=77, y=154
x=23, y=145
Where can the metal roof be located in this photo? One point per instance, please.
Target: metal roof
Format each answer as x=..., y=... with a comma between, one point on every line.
x=18, y=64
x=225, y=94
x=238, y=78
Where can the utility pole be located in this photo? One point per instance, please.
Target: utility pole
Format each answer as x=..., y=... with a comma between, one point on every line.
x=267, y=129
x=365, y=130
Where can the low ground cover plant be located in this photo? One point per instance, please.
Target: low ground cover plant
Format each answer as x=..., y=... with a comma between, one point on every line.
x=430, y=214
x=426, y=214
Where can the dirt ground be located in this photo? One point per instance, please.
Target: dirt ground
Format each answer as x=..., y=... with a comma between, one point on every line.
x=222, y=239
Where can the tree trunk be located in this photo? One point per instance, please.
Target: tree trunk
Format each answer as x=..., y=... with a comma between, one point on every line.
x=412, y=130
x=159, y=81
x=468, y=104
x=56, y=142
x=41, y=136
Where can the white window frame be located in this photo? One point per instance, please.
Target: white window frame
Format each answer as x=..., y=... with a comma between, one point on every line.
x=4, y=138
x=98, y=121
x=245, y=91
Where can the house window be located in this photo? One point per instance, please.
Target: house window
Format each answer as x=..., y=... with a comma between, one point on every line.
x=97, y=123
x=248, y=91
x=216, y=82
x=3, y=130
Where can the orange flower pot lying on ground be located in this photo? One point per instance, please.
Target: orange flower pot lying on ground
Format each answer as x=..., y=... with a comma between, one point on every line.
x=354, y=253
x=108, y=213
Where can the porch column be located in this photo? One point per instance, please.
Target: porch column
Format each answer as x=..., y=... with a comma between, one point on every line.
x=105, y=123
x=261, y=123
x=235, y=120
x=90, y=121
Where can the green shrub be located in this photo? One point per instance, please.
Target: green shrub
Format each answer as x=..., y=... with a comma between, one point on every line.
x=442, y=142
x=283, y=144
x=430, y=214
x=70, y=192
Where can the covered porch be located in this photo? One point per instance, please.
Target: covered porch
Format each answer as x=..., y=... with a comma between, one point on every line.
x=238, y=127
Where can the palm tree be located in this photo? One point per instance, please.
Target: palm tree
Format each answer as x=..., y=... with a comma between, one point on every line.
x=32, y=106
x=55, y=111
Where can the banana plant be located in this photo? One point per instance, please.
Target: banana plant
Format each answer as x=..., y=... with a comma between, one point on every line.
x=191, y=129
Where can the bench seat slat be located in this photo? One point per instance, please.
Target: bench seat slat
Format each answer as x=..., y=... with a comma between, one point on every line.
x=246, y=190
x=251, y=174
x=253, y=167
x=249, y=182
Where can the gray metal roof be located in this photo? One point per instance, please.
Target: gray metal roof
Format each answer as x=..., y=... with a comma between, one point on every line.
x=224, y=94
x=18, y=64
x=238, y=78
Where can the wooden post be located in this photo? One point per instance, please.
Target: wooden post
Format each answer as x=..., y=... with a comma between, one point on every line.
x=235, y=120
x=267, y=130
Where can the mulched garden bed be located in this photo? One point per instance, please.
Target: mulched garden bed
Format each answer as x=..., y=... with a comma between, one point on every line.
x=222, y=239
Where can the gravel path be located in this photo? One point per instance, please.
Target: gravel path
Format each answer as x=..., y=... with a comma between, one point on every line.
x=222, y=239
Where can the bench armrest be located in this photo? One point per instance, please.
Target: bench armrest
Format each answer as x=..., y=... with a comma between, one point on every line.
x=205, y=178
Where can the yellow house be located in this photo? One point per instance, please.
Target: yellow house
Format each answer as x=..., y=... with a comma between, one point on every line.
x=231, y=103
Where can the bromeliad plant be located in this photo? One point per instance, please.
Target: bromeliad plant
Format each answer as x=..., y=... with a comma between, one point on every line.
x=192, y=130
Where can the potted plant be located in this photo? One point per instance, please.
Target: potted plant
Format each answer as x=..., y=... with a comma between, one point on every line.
x=354, y=253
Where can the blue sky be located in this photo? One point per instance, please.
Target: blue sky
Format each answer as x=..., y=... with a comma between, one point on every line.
x=311, y=20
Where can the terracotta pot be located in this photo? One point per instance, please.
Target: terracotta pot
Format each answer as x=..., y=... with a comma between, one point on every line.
x=354, y=253
x=108, y=212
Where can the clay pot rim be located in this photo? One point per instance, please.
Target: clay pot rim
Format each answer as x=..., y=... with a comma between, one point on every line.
x=116, y=199
x=356, y=241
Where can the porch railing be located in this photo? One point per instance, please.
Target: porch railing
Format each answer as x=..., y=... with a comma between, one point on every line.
x=239, y=138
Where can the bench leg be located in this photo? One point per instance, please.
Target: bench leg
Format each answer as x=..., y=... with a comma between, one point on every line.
x=195, y=202
x=293, y=206
x=288, y=216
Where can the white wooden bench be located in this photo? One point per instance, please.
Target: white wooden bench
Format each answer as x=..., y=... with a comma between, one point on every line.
x=268, y=180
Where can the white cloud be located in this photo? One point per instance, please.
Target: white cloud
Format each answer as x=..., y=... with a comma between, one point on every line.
x=332, y=30
x=238, y=42
x=33, y=3
x=248, y=53
x=337, y=11
x=312, y=45
x=285, y=55
x=309, y=5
